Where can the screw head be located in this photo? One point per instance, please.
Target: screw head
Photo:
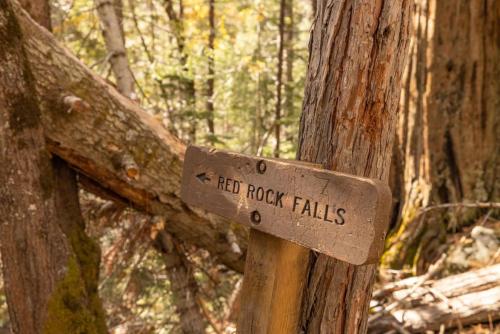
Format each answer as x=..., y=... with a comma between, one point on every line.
x=255, y=217
x=261, y=167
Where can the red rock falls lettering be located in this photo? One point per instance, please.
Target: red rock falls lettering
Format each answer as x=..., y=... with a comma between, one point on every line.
x=343, y=216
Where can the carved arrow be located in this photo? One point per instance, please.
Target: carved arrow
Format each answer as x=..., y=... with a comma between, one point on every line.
x=203, y=177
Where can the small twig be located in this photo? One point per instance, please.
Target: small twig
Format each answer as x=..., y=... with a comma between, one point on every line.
x=400, y=329
x=495, y=257
x=440, y=296
x=103, y=60
x=208, y=316
x=265, y=138
x=136, y=24
x=485, y=220
x=481, y=205
x=490, y=322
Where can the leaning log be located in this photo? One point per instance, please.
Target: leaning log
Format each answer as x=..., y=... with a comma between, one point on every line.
x=114, y=142
x=455, y=301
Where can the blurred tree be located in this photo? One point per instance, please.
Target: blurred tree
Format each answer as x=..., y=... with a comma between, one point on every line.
x=182, y=282
x=288, y=106
x=211, y=71
x=314, y=5
x=178, y=267
x=112, y=31
x=279, y=78
x=448, y=130
x=186, y=117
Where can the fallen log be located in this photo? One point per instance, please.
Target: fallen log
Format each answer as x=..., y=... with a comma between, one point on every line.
x=115, y=143
x=455, y=301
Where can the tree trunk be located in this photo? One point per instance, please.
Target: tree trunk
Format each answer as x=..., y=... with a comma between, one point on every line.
x=448, y=130
x=290, y=58
x=185, y=81
x=279, y=78
x=183, y=284
x=257, y=128
x=119, y=146
x=211, y=71
x=357, y=56
x=118, y=5
x=115, y=44
x=39, y=11
x=50, y=266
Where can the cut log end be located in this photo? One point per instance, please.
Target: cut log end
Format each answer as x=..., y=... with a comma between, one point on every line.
x=130, y=167
x=75, y=103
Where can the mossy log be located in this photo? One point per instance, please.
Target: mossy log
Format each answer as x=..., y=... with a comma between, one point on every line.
x=111, y=140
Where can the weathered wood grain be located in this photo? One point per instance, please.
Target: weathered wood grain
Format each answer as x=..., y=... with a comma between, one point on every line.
x=268, y=297
x=340, y=215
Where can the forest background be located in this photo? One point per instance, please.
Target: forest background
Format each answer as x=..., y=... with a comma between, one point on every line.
x=231, y=74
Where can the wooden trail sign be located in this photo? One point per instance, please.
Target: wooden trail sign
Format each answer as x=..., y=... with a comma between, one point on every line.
x=340, y=215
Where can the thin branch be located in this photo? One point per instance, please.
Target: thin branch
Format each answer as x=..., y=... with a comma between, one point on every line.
x=481, y=205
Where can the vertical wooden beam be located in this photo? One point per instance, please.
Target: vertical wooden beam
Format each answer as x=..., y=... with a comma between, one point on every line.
x=275, y=274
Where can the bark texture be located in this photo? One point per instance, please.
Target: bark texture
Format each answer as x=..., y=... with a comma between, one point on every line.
x=50, y=266
x=112, y=31
x=357, y=55
x=449, y=129
x=112, y=141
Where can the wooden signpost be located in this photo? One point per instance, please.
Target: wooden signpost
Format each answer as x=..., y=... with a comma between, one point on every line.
x=340, y=215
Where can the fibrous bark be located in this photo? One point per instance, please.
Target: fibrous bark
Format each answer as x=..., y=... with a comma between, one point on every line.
x=357, y=55
x=448, y=130
x=115, y=143
x=50, y=266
